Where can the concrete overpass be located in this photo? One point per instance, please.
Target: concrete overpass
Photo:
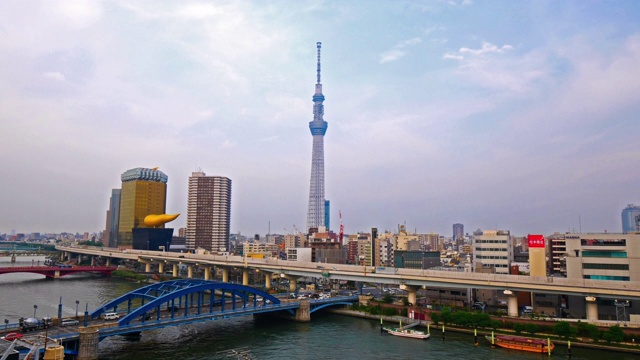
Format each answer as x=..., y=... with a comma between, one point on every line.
x=409, y=279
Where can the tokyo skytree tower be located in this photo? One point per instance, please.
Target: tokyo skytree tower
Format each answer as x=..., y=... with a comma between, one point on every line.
x=318, y=127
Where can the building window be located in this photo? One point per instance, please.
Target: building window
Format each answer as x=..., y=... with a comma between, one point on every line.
x=604, y=254
x=606, y=277
x=606, y=266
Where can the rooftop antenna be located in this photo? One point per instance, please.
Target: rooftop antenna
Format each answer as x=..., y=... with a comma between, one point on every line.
x=319, y=45
x=580, y=223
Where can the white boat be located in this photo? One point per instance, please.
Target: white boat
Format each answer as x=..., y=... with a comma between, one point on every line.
x=410, y=333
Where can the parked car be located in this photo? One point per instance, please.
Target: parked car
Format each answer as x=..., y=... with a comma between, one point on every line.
x=12, y=336
x=478, y=305
x=69, y=322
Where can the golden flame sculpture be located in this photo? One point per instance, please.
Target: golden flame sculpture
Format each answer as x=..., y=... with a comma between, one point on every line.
x=154, y=220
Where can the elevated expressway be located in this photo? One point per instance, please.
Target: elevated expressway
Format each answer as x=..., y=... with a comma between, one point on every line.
x=409, y=279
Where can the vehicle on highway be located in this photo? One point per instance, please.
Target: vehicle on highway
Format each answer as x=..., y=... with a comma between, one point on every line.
x=30, y=324
x=12, y=336
x=111, y=316
x=69, y=322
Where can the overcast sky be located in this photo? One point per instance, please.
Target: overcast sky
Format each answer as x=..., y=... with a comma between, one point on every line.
x=519, y=115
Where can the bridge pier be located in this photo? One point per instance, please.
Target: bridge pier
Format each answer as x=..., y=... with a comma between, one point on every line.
x=88, y=344
x=207, y=273
x=225, y=275
x=303, y=313
x=592, y=308
x=161, y=267
x=189, y=271
x=512, y=302
x=108, y=261
x=245, y=277
x=175, y=270
x=93, y=261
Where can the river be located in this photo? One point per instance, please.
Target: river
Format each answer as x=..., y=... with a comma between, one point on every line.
x=327, y=336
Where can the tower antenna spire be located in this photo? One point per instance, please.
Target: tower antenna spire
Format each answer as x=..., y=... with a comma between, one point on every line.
x=319, y=45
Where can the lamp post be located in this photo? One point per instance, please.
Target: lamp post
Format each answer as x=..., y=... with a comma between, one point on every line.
x=77, y=303
x=35, y=307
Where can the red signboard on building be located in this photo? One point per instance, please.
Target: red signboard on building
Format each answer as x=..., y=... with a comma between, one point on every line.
x=536, y=241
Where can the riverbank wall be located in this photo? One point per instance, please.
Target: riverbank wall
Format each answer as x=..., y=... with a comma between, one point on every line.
x=626, y=347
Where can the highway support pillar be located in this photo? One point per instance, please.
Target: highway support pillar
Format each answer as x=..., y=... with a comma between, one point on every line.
x=267, y=281
x=592, y=308
x=161, y=267
x=303, y=313
x=512, y=302
x=108, y=263
x=245, y=277
x=175, y=270
x=225, y=275
x=207, y=273
x=93, y=261
x=147, y=265
x=88, y=344
x=293, y=283
x=412, y=293
x=189, y=271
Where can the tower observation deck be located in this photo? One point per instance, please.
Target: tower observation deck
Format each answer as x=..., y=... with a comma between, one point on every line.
x=318, y=127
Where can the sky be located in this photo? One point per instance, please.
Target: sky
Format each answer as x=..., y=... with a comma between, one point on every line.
x=516, y=115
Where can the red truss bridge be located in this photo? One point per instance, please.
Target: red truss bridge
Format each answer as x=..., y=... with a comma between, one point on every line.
x=55, y=272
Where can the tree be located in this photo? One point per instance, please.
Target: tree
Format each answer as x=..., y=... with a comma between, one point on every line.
x=518, y=328
x=531, y=328
x=563, y=329
x=435, y=317
x=614, y=334
x=387, y=299
x=593, y=332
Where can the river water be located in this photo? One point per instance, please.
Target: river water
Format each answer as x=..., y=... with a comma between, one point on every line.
x=327, y=336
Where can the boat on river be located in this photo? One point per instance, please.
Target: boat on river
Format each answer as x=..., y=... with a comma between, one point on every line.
x=522, y=343
x=409, y=333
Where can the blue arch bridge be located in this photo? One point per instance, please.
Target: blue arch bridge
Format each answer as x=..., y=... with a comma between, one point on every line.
x=180, y=302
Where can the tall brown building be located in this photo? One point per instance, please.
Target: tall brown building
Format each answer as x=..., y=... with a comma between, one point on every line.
x=144, y=192
x=208, y=212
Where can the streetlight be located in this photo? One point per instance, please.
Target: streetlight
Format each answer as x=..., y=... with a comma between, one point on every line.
x=35, y=307
x=77, y=303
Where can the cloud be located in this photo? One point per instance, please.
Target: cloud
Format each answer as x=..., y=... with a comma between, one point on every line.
x=397, y=51
x=499, y=68
x=54, y=75
x=391, y=55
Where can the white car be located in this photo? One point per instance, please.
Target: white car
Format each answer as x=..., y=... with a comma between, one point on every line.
x=69, y=322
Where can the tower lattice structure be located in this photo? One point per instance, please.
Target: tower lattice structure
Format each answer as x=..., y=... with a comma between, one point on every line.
x=318, y=127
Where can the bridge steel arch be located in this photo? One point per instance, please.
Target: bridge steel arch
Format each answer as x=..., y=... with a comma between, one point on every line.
x=155, y=296
x=322, y=306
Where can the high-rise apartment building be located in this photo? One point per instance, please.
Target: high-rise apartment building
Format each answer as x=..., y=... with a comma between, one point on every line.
x=318, y=127
x=208, y=212
x=631, y=218
x=144, y=192
x=492, y=249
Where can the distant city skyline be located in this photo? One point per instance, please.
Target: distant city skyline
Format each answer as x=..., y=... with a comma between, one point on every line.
x=496, y=115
